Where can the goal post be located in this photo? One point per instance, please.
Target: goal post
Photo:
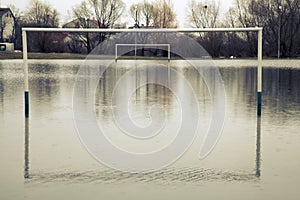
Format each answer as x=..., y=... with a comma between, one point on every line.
x=142, y=45
x=258, y=30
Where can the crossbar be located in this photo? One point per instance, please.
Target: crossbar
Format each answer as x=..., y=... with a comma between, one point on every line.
x=145, y=30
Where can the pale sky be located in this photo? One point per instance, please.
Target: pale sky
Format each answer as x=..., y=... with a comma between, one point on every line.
x=64, y=5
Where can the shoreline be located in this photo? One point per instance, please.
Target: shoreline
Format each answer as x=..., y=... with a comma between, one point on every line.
x=72, y=56
x=40, y=56
x=218, y=62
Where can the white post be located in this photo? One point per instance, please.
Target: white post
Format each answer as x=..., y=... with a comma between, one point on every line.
x=135, y=43
x=259, y=72
x=25, y=67
x=279, y=32
x=278, y=40
x=169, y=53
x=116, y=53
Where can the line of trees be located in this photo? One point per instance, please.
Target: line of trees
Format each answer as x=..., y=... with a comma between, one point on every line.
x=280, y=19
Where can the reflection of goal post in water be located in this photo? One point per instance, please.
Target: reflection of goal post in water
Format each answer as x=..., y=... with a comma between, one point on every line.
x=142, y=45
x=26, y=81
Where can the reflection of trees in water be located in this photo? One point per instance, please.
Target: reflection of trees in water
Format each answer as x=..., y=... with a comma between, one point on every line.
x=45, y=82
x=281, y=91
x=144, y=96
x=104, y=91
x=240, y=85
x=198, y=84
x=46, y=86
x=283, y=83
x=43, y=68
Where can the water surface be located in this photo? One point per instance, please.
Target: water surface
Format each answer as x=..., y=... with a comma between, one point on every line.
x=255, y=158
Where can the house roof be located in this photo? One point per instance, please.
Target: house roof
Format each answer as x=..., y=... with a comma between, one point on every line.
x=76, y=23
x=6, y=10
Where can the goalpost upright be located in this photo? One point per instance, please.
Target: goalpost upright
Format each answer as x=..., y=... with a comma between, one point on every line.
x=259, y=30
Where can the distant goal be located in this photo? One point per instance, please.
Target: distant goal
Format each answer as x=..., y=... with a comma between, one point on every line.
x=117, y=46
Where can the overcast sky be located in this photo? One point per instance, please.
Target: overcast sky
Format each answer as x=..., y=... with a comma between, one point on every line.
x=64, y=5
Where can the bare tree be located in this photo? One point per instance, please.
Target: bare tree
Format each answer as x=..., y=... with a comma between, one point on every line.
x=83, y=10
x=159, y=14
x=147, y=13
x=82, y=15
x=231, y=18
x=135, y=12
x=203, y=15
x=107, y=12
x=42, y=14
x=234, y=44
x=206, y=15
x=164, y=15
x=241, y=15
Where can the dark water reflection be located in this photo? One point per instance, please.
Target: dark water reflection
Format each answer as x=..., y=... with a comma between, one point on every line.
x=282, y=93
x=258, y=152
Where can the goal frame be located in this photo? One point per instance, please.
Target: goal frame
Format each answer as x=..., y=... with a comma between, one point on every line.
x=258, y=30
x=142, y=45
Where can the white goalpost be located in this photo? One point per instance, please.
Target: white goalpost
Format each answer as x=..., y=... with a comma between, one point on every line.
x=258, y=30
x=142, y=45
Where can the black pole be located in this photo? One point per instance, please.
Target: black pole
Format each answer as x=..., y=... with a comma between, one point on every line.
x=26, y=104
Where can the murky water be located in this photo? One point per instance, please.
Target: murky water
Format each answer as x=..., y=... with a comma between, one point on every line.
x=256, y=158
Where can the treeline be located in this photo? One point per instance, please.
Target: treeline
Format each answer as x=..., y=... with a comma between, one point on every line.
x=280, y=19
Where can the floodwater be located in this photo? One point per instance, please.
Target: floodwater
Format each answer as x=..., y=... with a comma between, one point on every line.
x=42, y=157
